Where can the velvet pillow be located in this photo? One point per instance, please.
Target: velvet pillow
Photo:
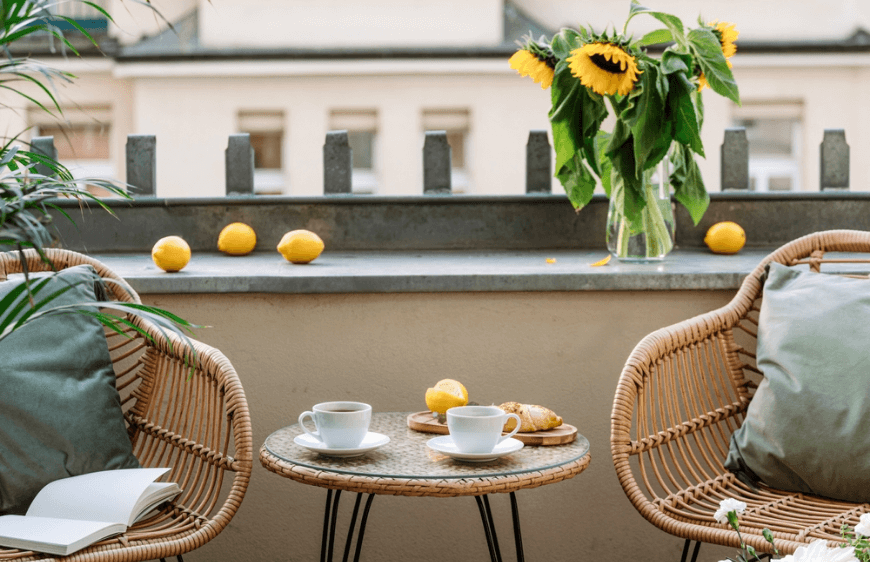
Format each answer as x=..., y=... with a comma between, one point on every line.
x=808, y=427
x=60, y=413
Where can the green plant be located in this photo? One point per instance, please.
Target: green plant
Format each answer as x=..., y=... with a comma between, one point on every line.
x=26, y=195
x=654, y=98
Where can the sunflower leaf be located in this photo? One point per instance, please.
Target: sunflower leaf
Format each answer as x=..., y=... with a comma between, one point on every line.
x=578, y=182
x=688, y=184
x=657, y=37
x=673, y=23
x=576, y=117
x=602, y=140
x=675, y=62
x=708, y=53
x=652, y=131
x=684, y=115
x=564, y=42
x=625, y=189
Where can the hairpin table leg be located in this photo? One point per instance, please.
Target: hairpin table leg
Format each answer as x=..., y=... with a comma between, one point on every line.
x=518, y=535
x=686, y=550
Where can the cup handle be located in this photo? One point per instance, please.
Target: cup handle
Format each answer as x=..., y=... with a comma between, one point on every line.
x=315, y=434
x=515, y=430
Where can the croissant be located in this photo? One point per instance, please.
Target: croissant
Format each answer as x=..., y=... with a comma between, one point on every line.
x=532, y=418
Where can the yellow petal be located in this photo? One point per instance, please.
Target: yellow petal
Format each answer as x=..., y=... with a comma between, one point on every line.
x=551, y=260
x=600, y=262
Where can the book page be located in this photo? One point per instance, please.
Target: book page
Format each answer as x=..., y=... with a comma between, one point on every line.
x=109, y=495
x=56, y=536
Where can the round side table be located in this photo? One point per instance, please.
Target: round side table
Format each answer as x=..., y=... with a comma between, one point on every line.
x=407, y=467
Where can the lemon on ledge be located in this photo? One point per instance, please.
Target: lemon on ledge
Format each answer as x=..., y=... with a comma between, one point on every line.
x=237, y=239
x=725, y=238
x=171, y=254
x=300, y=246
x=446, y=394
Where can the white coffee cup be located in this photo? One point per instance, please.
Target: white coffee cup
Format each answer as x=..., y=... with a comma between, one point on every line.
x=339, y=425
x=478, y=429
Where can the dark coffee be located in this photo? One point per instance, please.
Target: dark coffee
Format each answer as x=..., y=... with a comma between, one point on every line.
x=340, y=411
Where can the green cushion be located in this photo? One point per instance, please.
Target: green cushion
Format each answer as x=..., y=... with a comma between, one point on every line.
x=60, y=413
x=806, y=429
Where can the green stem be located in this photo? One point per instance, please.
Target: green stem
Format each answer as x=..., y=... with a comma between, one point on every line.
x=658, y=238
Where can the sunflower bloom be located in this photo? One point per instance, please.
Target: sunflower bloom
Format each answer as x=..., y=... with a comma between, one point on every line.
x=727, y=35
x=702, y=80
x=526, y=63
x=605, y=68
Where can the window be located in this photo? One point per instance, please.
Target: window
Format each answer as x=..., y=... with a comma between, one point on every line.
x=456, y=123
x=266, y=129
x=362, y=134
x=774, y=133
x=83, y=141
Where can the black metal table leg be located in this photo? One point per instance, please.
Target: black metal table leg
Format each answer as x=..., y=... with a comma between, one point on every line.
x=518, y=535
x=486, y=529
x=330, y=518
x=686, y=550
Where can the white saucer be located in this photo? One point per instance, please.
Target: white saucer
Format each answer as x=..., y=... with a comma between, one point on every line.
x=369, y=443
x=445, y=445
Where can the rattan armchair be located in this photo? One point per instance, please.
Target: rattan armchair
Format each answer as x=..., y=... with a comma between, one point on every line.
x=683, y=392
x=195, y=421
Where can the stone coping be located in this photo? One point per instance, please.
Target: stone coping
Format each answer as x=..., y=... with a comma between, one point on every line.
x=436, y=271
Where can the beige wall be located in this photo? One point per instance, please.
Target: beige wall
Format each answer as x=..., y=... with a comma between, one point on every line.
x=561, y=350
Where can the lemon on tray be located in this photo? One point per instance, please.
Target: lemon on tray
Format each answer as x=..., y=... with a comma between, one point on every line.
x=171, y=254
x=446, y=394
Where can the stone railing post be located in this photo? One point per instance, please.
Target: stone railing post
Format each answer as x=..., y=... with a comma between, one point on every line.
x=239, y=158
x=45, y=147
x=834, y=154
x=735, y=160
x=337, y=163
x=436, y=164
x=538, y=163
x=142, y=165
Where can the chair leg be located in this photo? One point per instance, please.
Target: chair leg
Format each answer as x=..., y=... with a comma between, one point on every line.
x=686, y=550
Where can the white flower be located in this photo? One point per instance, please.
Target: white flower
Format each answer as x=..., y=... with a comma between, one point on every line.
x=726, y=505
x=818, y=551
x=863, y=527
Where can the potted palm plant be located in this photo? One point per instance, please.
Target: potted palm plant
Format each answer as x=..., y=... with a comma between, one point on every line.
x=30, y=181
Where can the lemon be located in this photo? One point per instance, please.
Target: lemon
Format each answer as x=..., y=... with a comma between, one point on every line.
x=725, y=238
x=300, y=246
x=171, y=253
x=446, y=394
x=237, y=239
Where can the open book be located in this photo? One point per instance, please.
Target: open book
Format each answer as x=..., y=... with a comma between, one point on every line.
x=69, y=514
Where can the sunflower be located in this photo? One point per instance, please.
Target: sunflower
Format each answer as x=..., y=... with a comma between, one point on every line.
x=702, y=80
x=535, y=62
x=606, y=68
x=727, y=35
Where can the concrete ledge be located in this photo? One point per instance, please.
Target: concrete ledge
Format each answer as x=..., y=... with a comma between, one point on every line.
x=441, y=271
x=433, y=222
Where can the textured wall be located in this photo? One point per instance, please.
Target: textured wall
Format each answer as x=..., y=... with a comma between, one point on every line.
x=561, y=350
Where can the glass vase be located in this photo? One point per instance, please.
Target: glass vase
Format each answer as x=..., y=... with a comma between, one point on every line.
x=652, y=236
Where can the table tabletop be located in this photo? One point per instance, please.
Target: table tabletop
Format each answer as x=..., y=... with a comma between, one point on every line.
x=406, y=466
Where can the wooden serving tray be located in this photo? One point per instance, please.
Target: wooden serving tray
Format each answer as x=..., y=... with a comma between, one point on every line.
x=427, y=423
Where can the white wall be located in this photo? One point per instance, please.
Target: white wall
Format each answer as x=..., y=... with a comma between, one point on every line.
x=349, y=23
x=769, y=20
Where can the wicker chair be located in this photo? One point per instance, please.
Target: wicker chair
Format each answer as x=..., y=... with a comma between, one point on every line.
x=195, y=422
x=683, y=392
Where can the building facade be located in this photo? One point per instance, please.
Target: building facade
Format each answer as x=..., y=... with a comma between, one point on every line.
x=288, y=72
